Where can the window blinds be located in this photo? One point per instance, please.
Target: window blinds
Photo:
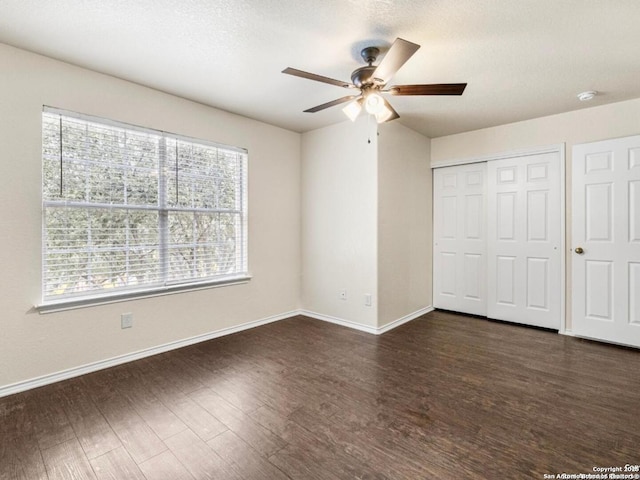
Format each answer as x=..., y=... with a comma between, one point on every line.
x=130, y=209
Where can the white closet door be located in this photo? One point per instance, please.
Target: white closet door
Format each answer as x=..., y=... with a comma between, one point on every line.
x=606, y=226
x=459, y=265
x=524, y=240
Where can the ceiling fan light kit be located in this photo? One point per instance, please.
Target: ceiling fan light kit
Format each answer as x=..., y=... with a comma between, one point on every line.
x=371, y=81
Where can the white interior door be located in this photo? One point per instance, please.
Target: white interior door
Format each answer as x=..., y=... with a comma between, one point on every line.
x=524, y=240
x=459, y=264
x=606, y=226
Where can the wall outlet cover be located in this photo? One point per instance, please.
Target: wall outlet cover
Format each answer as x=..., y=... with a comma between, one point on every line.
x=126, y=320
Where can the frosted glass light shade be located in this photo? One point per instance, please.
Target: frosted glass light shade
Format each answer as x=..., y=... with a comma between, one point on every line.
x=352, y=110
x=384, y=114
x=374, y=103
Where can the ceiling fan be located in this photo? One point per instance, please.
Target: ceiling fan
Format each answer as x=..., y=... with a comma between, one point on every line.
x=372, y=80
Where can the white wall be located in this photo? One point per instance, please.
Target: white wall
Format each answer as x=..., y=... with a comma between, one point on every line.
x=31, y=344
x=339, y=221
x=580, y=126
x=366, y=222
x=404, y=222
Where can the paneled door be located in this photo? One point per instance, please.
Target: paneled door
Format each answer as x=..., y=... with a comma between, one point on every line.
x=459, y=264
x=606, y=240
x=525, y=240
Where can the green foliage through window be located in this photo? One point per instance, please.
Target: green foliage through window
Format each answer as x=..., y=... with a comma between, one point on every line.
x=126, y=208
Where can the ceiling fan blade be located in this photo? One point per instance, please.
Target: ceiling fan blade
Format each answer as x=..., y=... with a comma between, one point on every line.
x=398, y=54
x=331, y=104
x=434, y=89
x=318, y=78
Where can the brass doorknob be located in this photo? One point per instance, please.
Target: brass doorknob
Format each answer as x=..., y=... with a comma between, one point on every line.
x=579, y=250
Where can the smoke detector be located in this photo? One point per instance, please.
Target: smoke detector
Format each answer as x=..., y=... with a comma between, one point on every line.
x=586, y=96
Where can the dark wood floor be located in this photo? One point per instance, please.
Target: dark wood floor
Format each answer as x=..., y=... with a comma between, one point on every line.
x=445, y=396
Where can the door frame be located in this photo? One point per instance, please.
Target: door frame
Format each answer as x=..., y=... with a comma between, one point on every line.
x=558, y=148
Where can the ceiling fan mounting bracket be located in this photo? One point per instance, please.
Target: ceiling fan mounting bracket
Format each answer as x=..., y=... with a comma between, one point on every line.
x=369, y=54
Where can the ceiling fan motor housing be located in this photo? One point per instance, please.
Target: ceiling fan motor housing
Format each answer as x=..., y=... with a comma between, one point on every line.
x=362, y=77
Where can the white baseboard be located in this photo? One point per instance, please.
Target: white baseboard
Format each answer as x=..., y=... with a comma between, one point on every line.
x=339, y=321
x=403, y=320
x=129, y=357
x=367, y=328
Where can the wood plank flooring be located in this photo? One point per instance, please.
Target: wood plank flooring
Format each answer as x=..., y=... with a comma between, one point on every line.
x=445, y=396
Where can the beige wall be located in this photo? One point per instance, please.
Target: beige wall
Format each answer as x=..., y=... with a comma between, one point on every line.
x=31, y=344
x=404, y=222
x=580, y=126
x=348, y=192
x=339, y=209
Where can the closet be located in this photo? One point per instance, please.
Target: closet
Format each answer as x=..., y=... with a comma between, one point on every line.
x=498, y=238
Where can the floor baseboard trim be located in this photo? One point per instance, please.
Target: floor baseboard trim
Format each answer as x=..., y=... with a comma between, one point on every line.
x=339, y=321
x=129, y=357
x=405, y=319
x=366, y=328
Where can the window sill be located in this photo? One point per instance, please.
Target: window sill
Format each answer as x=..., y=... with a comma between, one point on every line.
x=74, y=303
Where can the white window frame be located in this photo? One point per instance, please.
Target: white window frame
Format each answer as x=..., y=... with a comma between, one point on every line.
x=239, y=276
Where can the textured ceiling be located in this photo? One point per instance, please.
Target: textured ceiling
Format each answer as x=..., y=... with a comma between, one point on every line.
x=521, y=58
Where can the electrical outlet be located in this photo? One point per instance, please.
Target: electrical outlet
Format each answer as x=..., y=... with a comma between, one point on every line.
x=126, y=320
x=343, y=294
x=367, y=299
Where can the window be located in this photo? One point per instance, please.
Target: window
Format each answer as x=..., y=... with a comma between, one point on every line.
x=129, y=210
